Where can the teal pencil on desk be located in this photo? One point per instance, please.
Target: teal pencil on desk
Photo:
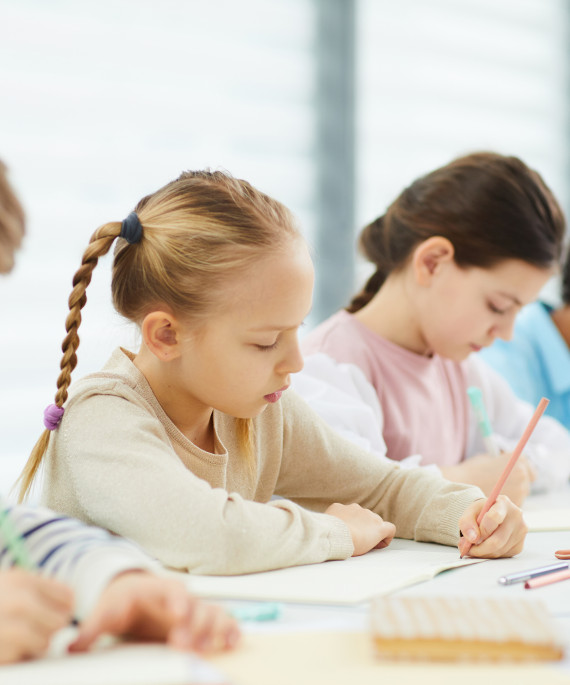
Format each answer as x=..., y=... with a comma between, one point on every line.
x=476, y=398
x=263, y=611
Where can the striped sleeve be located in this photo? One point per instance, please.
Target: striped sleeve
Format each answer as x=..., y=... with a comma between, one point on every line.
x=84, y=557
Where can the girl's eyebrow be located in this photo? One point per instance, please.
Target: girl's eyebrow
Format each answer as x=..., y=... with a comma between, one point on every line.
x=271, y=329
x=511, y=297
x=276, y=329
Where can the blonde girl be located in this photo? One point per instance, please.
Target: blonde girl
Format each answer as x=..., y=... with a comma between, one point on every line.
x=455, y=257
x=181, y=445
x=81, y=572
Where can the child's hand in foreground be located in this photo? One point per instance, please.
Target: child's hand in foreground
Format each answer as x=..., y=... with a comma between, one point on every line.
x=32, y=609
x=147, y=607
x=501, y=533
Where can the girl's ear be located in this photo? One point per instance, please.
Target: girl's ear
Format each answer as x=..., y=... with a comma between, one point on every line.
x=430, y=256
x=161, y=334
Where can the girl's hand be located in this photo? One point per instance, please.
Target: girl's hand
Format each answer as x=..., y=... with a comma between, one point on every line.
x=501, y=533
x=368, y=530
x=32, y=609
x=148, y=607
x=484, y=471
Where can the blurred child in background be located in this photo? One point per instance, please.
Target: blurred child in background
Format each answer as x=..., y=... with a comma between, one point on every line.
x=456, y=256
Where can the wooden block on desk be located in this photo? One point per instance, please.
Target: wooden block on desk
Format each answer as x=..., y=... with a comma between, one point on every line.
x=471, y=629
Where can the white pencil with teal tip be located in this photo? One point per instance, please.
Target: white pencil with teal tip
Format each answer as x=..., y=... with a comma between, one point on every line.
x=476, y=398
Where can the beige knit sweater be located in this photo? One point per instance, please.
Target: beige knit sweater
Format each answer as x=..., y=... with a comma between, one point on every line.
x=119, y=462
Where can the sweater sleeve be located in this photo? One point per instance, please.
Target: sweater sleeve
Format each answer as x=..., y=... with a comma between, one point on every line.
x=114, y=465
x=549, y=446
x=83, y=557
x=423, y=506
x=341, y=394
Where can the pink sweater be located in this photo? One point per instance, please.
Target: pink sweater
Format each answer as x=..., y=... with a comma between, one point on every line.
x=423, y=399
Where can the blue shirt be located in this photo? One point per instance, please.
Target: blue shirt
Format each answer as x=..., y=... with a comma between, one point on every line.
x=536, y=362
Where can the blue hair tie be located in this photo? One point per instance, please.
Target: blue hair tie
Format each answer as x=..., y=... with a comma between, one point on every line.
x=131, y=229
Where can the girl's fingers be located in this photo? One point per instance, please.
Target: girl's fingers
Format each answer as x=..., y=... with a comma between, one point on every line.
x=107, y=617
x=493, y=519
x=202, y=624
x=148, y=607
x=178, y=602
x=20, y=640
x=387, y=532
x=507, y=540
x=217, y=637
x=210, y=628
x=501, y=533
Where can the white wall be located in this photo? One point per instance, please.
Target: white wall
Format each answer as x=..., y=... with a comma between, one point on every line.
x=104, y=101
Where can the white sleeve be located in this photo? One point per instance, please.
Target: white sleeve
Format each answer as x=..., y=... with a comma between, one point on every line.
x=83, y=557
x=341, y=395
x=548, y=449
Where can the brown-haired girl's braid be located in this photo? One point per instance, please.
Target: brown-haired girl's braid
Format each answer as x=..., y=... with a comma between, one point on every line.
x=99, y=245
x=374, y=246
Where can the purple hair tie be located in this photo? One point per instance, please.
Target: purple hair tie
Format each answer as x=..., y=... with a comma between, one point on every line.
x=52, y=416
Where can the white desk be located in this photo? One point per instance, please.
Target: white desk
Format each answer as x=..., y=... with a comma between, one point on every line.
x=331, y=644
x=328, y=644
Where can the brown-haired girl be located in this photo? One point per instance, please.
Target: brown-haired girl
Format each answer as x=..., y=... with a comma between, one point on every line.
x=182, y=445
x=456, y=256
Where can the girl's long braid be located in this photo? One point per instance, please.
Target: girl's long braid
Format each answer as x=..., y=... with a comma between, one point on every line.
x=99, y=245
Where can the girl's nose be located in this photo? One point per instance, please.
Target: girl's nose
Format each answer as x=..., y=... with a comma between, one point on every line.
x=505, y=329
x=292, y=362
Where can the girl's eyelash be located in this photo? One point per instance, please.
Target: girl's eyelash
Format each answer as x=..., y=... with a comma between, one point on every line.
x=495, y=310
x=267, y=348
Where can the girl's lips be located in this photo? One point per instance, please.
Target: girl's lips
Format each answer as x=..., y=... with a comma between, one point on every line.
x=275, y=396
x=476, y=348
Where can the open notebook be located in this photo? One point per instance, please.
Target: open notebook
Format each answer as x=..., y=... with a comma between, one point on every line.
x=350, y=581
x=548, y=511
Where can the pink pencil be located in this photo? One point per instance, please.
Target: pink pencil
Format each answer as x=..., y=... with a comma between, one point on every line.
x=539, y=411
x=547, y=579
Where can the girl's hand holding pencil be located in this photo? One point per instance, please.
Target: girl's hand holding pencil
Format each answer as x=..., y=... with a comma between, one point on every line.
x=504, y=520
x=501, y=532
